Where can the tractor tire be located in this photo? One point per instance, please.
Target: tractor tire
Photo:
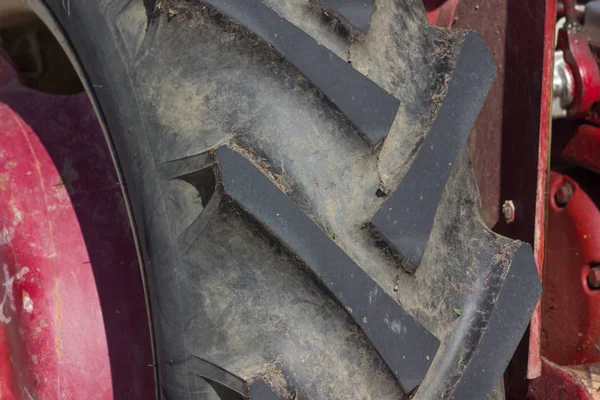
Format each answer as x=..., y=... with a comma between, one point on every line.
x=306, y=212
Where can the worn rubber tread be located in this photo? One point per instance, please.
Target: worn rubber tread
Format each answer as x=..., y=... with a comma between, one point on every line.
x=405, y=219
x=402, y=342
x=178, y=168
x=189, y=236
x=259, y=390
x=164, y=251
x=367, y=105
x=357, y=12
x=518, y=297
x=208, y=370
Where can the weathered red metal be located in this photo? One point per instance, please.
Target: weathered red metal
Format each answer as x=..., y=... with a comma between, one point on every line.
x=555, y=383
x=534, y=368
x=571, y=310
x=578, y=144
x=73, y=320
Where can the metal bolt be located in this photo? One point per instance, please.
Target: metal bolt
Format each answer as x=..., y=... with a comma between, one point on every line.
x=563, y=194
x=562, y=86
x=593, y=278
x=508, y=211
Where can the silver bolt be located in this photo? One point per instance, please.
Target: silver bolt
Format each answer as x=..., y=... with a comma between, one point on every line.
x=562, y=86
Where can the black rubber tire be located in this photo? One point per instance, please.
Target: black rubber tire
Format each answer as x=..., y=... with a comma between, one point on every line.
x=305, y=209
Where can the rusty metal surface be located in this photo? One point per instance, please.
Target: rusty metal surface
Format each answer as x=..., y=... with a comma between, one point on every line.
x=73, y=321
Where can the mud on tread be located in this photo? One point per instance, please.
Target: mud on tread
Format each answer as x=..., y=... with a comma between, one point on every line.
x=406, y=217
x=356, y=12
x=225, y=290
x=406, y=347
x=366, y=104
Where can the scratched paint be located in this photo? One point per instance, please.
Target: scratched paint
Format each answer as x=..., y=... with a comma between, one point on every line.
x=27, y=302
x=22, y=272
x=6, y=235
x=8, y=301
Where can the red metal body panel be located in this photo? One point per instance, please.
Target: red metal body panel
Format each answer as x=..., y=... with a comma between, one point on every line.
x=73, y=321
x=579, y=145
x=571, y=316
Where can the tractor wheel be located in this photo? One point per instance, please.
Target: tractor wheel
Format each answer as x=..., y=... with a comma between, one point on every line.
x=305, y=207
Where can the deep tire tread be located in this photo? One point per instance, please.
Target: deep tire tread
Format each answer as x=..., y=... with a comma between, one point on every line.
x=193, y=250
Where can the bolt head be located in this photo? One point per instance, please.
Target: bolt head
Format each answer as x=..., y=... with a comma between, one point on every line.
x=508, y=211
x=563, y=194
x=593, y=278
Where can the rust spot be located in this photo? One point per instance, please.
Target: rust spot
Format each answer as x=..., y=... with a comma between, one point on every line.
x=10, y=165
x=3, y=181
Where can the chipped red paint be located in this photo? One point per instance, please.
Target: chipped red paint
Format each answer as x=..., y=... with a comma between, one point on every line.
x=571, y=310
x=73, y=322
x=534, y=362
